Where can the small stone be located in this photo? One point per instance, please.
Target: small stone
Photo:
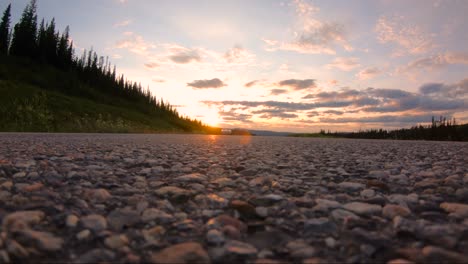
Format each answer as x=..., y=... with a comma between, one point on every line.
x=239, y=250
x=215, y=237
x=22, y=219
x=42, y=240
x=330, y=242
x=97, y=255
x=15, y=249
x=378, y=174
x=351, y=186
x=153, y=214
x=21, y=174
x=299, y=249
x=367, y=193
x=94, y=222
x=457, y=210
x=82, y=235
x=173, y=193
x=341, y=215
x=325, y=205
x=319, y=225
x=245, y=209
x=32, y=187
x=153, y=235
x=226, y=220
x=363, y=208
x=433, y=254
x=400, y=261
x=193, y=178
x=98, y=195
x=72, y=221
x=261, y=211
x=116, y=241
x=189, y=252
x=120, y=218
x=390, y=211
x=267, y=200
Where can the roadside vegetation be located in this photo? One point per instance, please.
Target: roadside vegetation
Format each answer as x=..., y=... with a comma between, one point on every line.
x=44, y=86
x=442, y=129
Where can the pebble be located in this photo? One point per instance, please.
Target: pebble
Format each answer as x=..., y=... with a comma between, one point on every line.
x=184, y=253
x=391, y=210
x=116, y=241
x=363, y=208
x=108, y=198
x=94, y=222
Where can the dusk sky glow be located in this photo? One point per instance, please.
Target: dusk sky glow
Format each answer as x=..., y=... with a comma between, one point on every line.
x=283, y=65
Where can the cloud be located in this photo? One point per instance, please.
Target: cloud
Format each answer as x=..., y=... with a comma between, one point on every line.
x=410, y=39
x=457, y=90
x=313, y=36
x=278, y=91
x=368, y=73
x=252, y=83
x=151, y=65
x=411, y=119
x=135, y=43
x=123, y=23
x=238, y=55
x=204, y=84
x=232, y=115
x=182, y=55
x=437, y=61
x=376, y=105
x=344, y=64
x=298, y=84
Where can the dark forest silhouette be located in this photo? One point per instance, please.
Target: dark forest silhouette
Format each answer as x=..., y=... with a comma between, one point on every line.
x=44, y=44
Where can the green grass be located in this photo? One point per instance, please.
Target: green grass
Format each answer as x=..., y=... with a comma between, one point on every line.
x=37, y=97
x=25, y=108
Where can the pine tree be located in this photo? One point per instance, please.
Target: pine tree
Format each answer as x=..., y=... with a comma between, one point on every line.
x=24, y=42
x=5, y=31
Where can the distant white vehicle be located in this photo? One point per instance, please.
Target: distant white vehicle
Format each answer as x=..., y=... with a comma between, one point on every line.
x=226, y=131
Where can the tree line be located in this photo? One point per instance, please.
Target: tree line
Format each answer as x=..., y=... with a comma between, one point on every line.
x=440, y=129
x=44, y=44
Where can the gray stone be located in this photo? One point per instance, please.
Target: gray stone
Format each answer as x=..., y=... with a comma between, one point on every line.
x=341, y=215
x=351, y=186
x=120, y=218
x=94, y=222
x=363, y=208
x=319, y=225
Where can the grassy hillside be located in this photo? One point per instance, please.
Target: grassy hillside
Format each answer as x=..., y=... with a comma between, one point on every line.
x=40, y=98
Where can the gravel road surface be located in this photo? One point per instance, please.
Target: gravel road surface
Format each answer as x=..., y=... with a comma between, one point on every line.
x=87, y=198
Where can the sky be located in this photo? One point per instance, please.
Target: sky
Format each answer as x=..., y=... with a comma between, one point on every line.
x=283, y=65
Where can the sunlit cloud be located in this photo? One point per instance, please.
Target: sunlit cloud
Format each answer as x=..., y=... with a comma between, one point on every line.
x=135, y=43
x=368, y=73
x=151, y=66
x=238, y=55
x=344, y=64
x=410, y=39
x=313, y=36
x=183, y=55
x=370, y=105
x=437, y=61
x=123, y=23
